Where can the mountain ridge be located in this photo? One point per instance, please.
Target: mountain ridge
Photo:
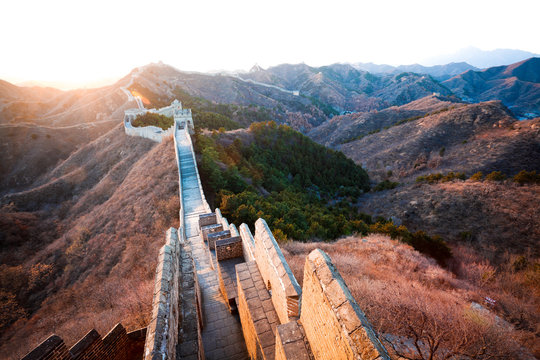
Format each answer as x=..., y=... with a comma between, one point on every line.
x=516, y=85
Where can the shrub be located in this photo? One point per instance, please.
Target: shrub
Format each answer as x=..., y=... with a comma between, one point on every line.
x=433, y=246
x=453, y=176
x=479, y=176
x=434, y=178
x=385, y=185
x=465, y=235
x=527, y=177
x=495, y=176
x=441, y=151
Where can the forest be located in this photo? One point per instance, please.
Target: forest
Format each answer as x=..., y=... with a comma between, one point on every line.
x=304, y=190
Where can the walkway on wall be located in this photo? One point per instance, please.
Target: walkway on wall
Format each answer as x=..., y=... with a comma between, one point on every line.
x=222, y=332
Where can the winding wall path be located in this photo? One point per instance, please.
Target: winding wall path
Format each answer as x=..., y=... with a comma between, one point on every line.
x=222, y=332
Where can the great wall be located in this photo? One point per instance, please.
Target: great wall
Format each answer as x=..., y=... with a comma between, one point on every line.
x=223, y=293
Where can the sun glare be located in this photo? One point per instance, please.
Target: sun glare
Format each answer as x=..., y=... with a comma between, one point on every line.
x=73, y=43
x=140, y=96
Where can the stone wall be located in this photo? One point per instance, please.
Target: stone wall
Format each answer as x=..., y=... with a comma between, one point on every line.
x=257, y=314
x=248, y=243
x=221, y=220
x=335, y=326
x=276, y=273
x=209, y=229
x=182, y=118
x=162, y=334
x=207, y=219
x=52, y=348
x=116, y=345
x=234, y=230
x=189, y=337
x=153, y=133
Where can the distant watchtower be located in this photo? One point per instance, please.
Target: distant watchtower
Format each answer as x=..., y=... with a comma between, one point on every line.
x=182, y=120
x=182, y=117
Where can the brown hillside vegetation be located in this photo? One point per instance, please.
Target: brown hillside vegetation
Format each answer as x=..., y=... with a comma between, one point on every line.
x=414, y=304
x=345, y=128
x=492, y=215
x=52, y=107
x=30, y=151
x=79, y=250
x=41, y=127
x=476, y=137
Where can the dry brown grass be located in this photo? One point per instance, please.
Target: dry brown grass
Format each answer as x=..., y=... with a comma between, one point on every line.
x=406, y=296
x=104, y=252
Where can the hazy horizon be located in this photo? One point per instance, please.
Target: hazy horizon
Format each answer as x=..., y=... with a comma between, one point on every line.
x=64, y=42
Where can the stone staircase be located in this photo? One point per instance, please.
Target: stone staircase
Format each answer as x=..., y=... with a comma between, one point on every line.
x=221, y=330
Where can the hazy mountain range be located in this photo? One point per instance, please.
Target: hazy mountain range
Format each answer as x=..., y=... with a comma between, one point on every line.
x=439, y=72
x=482, y=58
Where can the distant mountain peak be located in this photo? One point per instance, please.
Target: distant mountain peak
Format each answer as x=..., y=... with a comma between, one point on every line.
x=256, y=68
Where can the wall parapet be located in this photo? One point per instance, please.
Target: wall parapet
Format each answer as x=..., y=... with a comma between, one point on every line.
x=153, y=133
x=248, y=243
x=335, y=326
x=162, y=334
x=276, y=273
x=116, y=345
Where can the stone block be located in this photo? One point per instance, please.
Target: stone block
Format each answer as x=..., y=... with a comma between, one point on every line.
x=335, y=293
x=207, y=219
x=348, y=317
x=208, y=229
x=290, y=332
x=228, y=248
x=213, y=236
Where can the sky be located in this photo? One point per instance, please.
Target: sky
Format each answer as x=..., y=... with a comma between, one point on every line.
x=75, y=42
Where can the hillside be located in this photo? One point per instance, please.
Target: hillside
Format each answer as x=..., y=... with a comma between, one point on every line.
x=40, y=127
x=407, y=296
x=31, y=150
x=51, y=107
x=269, y=171
x=465, y=139
x=346, y=128
x=79, y=249
x=489, y=215
x=470, y=138
x=516, y=85
x=228, y=95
